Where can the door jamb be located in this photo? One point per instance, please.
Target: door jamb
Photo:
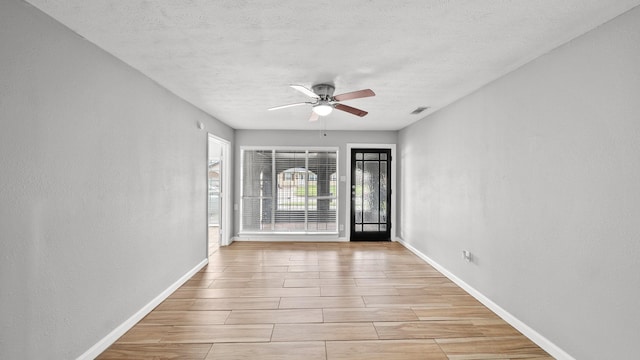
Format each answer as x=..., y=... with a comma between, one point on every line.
x=225, y=200
x=347, y=198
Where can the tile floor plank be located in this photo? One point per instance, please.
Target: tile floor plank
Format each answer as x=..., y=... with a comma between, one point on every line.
x=218, y=334
x=384, y=350
x=206, y=317
x=454, y=313
x=285, y=316
x=405, y=301
x=440, y=289
x=313, y=350
x=352, y=274
x=325, y=331
x=197, y=283
x=287, y=275
x=156, y=351
x=427, y=330
x=404, y=281
x=255, y=268
x=512, y=347
x=244, y=292
x=356, y=291
x=319, y=282
x=368, y=314
x=321, y=302
x=253, y=283
x=145, y=334
x=219, y=304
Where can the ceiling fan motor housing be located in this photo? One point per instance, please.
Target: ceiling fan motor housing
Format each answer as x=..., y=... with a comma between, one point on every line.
x=325, y=91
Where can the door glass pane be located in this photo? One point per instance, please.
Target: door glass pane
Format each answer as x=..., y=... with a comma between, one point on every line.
x=371, y=191
x=383, y=191
x=358, y=191
x=371, y=156
x=383, y=156
x=371, y=227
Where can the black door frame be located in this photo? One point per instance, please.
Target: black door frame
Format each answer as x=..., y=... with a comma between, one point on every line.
x=392, y=190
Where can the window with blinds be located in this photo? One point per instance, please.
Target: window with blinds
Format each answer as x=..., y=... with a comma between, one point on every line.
x=289, y=191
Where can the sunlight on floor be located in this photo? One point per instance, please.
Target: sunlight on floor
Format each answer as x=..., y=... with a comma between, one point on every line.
x=214, y=239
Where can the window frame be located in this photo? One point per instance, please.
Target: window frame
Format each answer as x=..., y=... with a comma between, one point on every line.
x=273, y=197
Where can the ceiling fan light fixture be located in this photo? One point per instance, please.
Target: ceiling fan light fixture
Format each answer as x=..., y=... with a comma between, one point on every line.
x=322, y=109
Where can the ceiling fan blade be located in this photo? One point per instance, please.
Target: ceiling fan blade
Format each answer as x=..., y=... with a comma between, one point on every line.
x=350, y=109
x=290, y=105
x=314, y=117
x=306, y=91
x=355, y=95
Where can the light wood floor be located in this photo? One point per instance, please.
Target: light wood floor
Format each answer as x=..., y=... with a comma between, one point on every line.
x=321, y=301
x=214, y=239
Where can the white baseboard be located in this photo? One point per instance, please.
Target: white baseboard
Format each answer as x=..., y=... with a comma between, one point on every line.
x=290, y=238
x=227, y=242
x=114, y=335
x=533, y=335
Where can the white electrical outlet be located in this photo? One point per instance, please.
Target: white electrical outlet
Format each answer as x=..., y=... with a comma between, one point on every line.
x=341, y=227
x=467, y=256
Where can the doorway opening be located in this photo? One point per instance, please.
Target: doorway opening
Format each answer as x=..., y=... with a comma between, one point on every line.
x=217, y=193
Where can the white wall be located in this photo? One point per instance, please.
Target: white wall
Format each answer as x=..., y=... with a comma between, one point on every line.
x=538, y=175
x=102, y=188
x=338, y=139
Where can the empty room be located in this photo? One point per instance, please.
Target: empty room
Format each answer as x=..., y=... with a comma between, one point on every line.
x=413, y=179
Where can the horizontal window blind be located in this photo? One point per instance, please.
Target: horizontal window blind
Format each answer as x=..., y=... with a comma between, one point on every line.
x=289, y=191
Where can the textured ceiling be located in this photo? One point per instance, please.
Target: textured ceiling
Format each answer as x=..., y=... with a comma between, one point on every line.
x=236, y=58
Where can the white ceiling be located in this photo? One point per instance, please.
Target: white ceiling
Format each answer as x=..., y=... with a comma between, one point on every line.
x=236, y=58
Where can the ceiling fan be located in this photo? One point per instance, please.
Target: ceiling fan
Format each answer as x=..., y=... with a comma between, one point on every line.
x=324, y=101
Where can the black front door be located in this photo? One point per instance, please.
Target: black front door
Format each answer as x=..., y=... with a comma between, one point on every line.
x=370, y=194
